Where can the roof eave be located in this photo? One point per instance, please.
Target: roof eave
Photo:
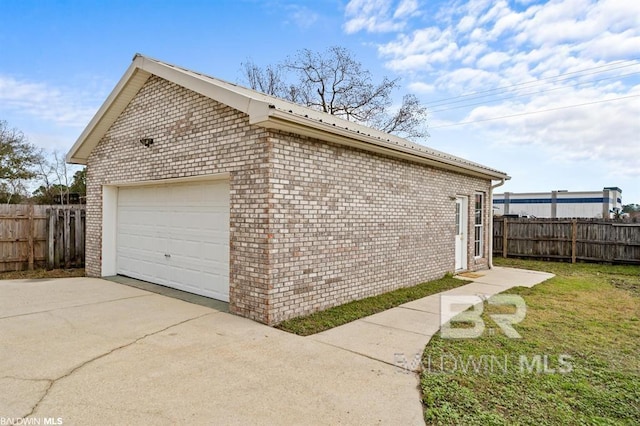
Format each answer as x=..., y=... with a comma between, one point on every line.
x=261, y=112
x=130, y=83
x=291, y=123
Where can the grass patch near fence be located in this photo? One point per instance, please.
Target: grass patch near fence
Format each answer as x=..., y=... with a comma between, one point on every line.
x=42, y=274
x=339, y=315
x=576, y=363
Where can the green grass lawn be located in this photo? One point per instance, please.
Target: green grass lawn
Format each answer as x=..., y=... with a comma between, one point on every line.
x=352, y=311
x=583, y=326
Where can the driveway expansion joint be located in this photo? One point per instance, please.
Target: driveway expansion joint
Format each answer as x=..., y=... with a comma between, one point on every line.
x=75, y=306
x=400, y=368
x=52, y=382
x=419, y=310
x=397, y=328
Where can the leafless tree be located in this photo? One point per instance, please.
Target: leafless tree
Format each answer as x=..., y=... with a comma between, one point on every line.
x=334, y=82
x=53, y=174
x=62, y=176
x=266, y=80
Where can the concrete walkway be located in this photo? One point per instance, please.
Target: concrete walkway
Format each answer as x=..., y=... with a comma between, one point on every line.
x=398, y=336
x=90, y=351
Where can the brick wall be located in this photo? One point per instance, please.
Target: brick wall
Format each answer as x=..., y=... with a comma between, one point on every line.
x=348, y=224
x=312, y=225
x=193, y=135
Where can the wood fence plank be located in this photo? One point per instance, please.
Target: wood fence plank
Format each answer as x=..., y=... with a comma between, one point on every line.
x=30, y=239
x=570, y=240
x=79, y=237
x=574, y=238
x=59, y=238
x=51, y=239
x=23, y=228
x=67, y=238
x=505, y=238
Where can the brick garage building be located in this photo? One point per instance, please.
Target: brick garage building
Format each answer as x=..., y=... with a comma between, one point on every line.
x=212, y=188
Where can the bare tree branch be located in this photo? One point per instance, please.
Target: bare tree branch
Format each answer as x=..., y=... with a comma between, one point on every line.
x=408, y=121
x=267, y=80
x=334, y=82
x=62, y=176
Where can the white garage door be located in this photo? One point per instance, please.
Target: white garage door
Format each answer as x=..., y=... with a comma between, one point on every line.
x=176, y=235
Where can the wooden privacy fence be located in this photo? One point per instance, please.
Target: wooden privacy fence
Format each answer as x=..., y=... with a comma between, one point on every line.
x=35, y=236
x=593, y=240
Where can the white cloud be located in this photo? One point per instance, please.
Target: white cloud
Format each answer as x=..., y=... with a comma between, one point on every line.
x=613, y=46
x=507, y=22
x=603, y=132
x=378, y=16
x=420, y=87
x=466, y=24
x=405, y=9
x=40, y=100
x=301, y=16
x=469, y=52
x=493, y=60
x=53, y=141
x=498, y=48
x=499, y=10
x=458, y=80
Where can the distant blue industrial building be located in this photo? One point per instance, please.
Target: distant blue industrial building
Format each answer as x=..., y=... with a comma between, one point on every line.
x=560, y=204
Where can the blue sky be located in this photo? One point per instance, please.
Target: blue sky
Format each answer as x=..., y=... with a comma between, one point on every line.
x=565, y=73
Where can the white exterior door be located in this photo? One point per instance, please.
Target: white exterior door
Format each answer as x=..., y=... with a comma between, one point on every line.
x=176, y=235
x=461, y=233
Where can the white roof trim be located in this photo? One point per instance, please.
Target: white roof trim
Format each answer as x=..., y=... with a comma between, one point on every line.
x=128, y=86
x=265, y=111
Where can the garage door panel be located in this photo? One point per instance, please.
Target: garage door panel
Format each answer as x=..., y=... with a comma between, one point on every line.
x=137, y=231
x=184, y=250
x=188, y=222
x=145, y=239
x=145, y=269
x=195, y=281
x=205, y=284
x=212, y=248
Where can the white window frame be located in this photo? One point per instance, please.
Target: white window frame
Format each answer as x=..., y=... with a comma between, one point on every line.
x=478, y=225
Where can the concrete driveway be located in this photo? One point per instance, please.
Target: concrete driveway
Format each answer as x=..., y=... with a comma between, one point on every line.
x=90, y=351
